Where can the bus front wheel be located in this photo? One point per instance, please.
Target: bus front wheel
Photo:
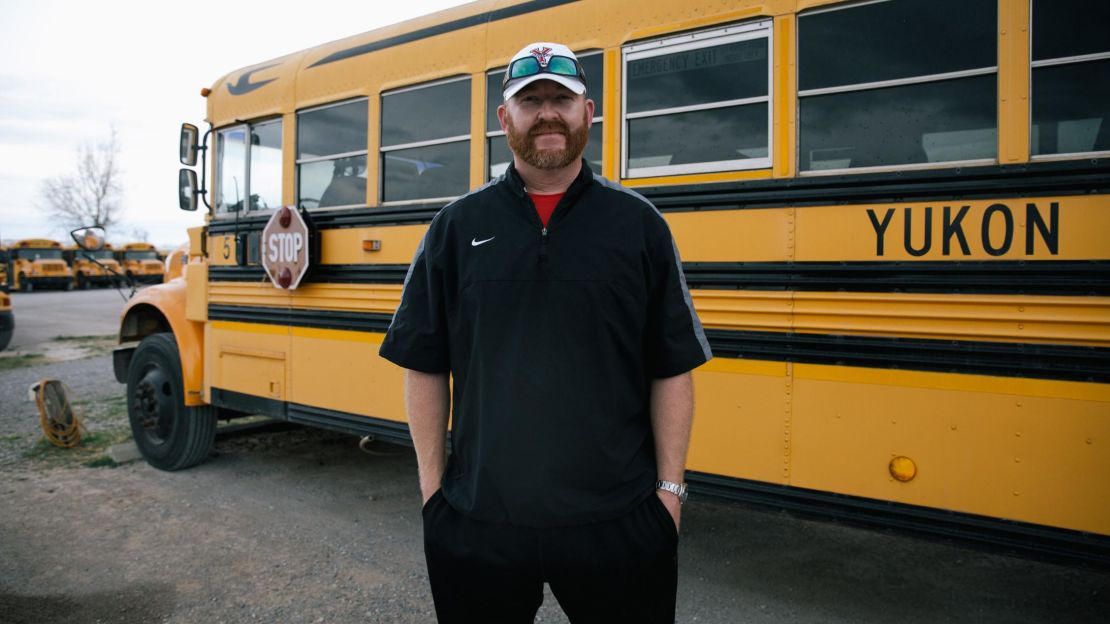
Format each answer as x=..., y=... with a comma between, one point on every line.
x=169, y=434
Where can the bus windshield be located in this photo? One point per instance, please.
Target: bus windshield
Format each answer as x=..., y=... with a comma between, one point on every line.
x=103, y=254
x=140, y=255
x=37, y=254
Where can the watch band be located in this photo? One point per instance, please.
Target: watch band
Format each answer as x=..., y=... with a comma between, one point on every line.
x=678, y=489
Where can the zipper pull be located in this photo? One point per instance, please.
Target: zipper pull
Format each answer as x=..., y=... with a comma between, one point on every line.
x=543, y=245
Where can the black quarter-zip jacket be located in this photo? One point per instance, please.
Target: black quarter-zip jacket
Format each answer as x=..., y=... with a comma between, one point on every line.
x=553, y=337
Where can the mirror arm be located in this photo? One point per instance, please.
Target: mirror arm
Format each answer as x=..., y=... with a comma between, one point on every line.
x=203, y=149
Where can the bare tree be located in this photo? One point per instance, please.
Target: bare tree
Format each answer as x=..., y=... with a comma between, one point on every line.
x=140, y=235
x=93, y=195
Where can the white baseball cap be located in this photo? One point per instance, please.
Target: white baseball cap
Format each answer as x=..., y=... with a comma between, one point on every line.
x=544, y=61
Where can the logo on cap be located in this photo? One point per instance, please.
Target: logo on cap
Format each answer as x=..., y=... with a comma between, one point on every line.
x=543, y=55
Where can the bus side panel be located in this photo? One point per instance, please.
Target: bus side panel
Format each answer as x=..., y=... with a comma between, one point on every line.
x=742, y=421
x=1027, y=450
x=341, y=371
x=247, y=358
x=734, y=235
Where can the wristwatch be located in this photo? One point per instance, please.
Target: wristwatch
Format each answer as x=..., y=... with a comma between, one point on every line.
x=678, y=489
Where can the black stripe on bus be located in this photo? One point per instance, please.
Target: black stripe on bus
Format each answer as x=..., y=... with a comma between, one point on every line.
x=333, y=420
x=945, y=186
x=1031, y=538
x=1001, y=359
x=998, y=277
x=439, y=29
x=321, y=273
x=374, y=322
x=413, y=214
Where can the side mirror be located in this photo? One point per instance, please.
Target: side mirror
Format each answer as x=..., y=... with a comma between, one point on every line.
x=187, y=189
x=190, y=135
x=89, y=238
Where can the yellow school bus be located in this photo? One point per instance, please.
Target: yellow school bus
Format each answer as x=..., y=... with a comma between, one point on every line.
x=36, y=263
x=7, y=320
x=892, y=217
x=5, y=285
x=140, y=262
x=93, y=268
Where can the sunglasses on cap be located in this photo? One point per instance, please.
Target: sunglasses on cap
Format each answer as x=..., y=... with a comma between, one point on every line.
x=530, y=66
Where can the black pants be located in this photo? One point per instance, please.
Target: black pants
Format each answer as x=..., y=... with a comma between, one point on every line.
x=622, y=570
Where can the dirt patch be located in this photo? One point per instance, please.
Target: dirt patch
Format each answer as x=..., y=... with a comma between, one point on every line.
x=60, y=349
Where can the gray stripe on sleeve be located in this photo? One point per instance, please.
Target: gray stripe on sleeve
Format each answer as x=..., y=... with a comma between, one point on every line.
x=699, y=332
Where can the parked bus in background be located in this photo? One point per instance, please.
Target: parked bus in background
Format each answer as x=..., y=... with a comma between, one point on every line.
x=5, y=285
x=93, y=268
x=37, y=263
x=140, y=262
x=7, y=320
x=892, y=215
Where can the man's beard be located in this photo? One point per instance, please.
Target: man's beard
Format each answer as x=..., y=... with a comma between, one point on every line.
x=524, y=144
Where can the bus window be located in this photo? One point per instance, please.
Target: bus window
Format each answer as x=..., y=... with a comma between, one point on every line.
x=231, y=164
x=37, y=253
x=265, y=164
x=331, y=155
x=1071, y=77
x=426, y=141
x=497, y=149
x=698, y=103
x=897, y=83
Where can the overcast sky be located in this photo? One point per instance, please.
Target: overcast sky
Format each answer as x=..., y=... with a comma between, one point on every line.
x=73, y=69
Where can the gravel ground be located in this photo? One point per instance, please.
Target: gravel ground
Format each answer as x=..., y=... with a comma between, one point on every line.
x=299, y=525
x=90, y=380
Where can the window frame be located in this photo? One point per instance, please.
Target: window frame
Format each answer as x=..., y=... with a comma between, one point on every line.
x=297, y=162
x=219, y=178
x=491, y=134
x=385, y=149
x=867, y=86
x=249, y=148
x=247, y=126
x=759, y=29
x=1053, y=62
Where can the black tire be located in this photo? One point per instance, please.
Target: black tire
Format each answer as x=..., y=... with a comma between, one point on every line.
x=169, y=435
x=25, y=284
x=69, y=286
x=82, y=282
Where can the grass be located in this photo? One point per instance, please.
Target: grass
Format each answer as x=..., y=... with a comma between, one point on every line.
x=91, y=452
x=107, y=420
x=22, y=360
x=86, y=346
x=92, y=345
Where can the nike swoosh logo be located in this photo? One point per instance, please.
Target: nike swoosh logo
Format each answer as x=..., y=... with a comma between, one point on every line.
x=244, y=86
x=475, y=242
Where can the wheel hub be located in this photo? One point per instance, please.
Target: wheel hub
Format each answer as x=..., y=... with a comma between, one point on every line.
x=152, y=404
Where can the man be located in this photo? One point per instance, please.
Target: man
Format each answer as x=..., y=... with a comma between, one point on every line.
x=556, y=301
